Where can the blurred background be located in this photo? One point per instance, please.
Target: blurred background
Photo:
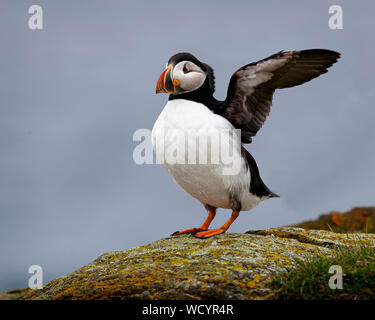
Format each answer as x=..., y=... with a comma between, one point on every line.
x=73, y=94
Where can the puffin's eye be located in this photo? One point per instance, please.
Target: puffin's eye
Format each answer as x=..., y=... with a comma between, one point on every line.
x=186, y=68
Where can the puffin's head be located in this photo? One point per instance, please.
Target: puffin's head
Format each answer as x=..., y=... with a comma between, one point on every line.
x=184, y=73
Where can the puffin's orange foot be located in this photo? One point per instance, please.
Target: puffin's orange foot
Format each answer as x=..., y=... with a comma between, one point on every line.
x=208, y=233
x=191, y=230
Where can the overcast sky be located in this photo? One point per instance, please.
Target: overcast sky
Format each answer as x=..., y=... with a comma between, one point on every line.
x=73, y=94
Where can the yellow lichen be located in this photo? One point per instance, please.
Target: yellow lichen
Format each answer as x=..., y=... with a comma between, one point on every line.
x=228, y=266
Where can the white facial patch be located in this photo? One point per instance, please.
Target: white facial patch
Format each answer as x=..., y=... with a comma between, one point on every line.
x=190, y=76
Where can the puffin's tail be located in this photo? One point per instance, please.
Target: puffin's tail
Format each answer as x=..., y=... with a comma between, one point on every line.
x=257, y=186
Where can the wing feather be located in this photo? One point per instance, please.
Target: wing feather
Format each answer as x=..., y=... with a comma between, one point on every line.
x=251, y=87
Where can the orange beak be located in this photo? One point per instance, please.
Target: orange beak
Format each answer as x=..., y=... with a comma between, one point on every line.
x=166, y=84
x=160, y=85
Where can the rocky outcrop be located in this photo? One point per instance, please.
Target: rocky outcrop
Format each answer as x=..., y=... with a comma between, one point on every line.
x=228, y=266
x=360, y=219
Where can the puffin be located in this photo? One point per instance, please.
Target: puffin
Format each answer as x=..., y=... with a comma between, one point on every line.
x=193, y=113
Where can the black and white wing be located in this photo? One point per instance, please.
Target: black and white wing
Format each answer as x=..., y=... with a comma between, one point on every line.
x=251, y=87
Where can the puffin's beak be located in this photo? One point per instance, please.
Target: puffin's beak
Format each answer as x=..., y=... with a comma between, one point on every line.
x=165, y=83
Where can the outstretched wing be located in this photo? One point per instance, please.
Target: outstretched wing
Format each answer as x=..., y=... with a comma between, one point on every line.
x=251, y=87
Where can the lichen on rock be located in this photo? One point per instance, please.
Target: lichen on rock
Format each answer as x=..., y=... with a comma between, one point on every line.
x=228, y=266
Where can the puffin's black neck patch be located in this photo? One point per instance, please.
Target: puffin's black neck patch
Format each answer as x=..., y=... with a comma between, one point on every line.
x=203, y=95
x=211, y=77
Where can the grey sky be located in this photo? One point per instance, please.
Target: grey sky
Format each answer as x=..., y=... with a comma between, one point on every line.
x=73, y=94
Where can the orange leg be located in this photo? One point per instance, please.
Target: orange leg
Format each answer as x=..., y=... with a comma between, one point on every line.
x=204, y=226
x=212, y=232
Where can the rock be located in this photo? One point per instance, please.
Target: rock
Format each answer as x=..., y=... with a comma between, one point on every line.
x=16, y=294
x=228, y=266
x=360, y=219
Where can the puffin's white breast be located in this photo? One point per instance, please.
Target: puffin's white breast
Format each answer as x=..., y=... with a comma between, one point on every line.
x=206, y=182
